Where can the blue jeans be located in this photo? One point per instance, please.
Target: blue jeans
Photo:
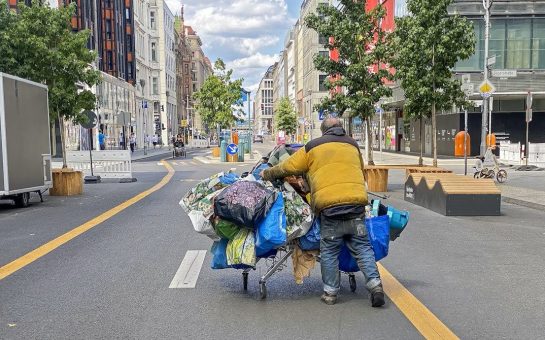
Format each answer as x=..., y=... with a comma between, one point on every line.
x=354, y=233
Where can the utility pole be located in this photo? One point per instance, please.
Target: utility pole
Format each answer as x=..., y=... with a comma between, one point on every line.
x=487, y=4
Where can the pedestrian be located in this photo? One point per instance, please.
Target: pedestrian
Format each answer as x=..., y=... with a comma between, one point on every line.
x=154, y=140
x=101, y=141
x=334, y=169
x=132, y=142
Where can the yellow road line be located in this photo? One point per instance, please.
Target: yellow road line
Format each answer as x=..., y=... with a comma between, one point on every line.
x=32, y=256
x=419, y=315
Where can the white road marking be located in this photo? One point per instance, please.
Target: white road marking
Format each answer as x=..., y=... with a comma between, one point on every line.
x=161, y=164
x=193, y=163
x=174, y=163
x=188, y=273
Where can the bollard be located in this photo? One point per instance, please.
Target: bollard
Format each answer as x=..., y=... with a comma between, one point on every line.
x=241, y=152
x=223, y=151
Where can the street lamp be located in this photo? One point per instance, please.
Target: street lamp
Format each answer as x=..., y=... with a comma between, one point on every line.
x=250, y=129
x=487, y=4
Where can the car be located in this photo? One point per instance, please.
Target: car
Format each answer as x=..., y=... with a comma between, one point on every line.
x=258, y=139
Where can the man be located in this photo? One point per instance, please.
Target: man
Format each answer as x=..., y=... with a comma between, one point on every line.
x=334, y=169
x=101, y=141
x=132, y=141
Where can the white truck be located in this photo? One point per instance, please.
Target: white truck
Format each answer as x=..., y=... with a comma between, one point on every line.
x=25, y=149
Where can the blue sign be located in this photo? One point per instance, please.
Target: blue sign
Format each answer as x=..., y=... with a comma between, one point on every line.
x=232, y=149
x=321, y=114
x=357, y=120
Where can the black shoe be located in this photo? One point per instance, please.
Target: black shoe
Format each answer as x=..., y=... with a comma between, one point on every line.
x=377, y=296
x=329, y=299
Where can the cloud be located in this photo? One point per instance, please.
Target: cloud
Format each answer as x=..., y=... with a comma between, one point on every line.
x=246, y=34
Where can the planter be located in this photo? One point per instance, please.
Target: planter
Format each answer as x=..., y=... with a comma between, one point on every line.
x=66, y=182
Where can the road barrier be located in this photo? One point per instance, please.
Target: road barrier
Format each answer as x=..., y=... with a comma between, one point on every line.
x=512, y=153
x=106, y=163
x=199, y=143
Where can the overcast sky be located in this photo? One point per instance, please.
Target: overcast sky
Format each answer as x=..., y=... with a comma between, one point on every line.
x=247, y=34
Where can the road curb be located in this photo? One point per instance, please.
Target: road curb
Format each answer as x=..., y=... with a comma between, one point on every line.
x=523, y=203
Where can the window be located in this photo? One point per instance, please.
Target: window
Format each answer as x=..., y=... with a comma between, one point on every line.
x=109, y=60
x=518, y=44
x=323, y=40
x=128, y=14
x=154, y=86
x=129, y=70
x=321, y=86
x=108, y=29
x=153, y=51
x=538, y=45
x=152, y=20
x=194, y=87
x=186, y=68
x=129, y=43
x=324, y=54
x=193, y=76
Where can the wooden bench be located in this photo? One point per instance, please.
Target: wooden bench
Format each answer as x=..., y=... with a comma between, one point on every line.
x=453, y=195
x=377, y=175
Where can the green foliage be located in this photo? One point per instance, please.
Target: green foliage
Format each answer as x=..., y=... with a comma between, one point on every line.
x=361, y=44
x=427, y=45
x=217, y=96
x=38, y=44
x=286, y=119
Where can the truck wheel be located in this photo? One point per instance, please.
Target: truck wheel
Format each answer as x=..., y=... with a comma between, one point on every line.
x=22, y=200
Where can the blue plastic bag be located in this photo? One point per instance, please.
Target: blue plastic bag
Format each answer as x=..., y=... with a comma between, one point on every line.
x=229, y=178
x=271, y=231
x=378, y=229
x=219, y=256
x=311, y=240
x=258, y=170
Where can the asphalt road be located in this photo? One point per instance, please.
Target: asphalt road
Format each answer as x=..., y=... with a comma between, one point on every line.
x=482, y=277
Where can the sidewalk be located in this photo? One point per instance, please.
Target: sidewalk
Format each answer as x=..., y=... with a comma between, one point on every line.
x=521, y=188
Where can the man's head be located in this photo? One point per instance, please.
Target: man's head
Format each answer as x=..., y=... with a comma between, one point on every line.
x=329, y=123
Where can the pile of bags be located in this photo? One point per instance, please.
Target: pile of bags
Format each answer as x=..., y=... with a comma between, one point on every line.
x=249, y=219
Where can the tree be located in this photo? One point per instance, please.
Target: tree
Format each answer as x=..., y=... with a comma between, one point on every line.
x=427, y=44
x=217, y=97
x=286, y=119
x=53, y=55
x=363, y=51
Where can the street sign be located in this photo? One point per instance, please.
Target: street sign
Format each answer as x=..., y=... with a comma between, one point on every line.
x=183, y=123
x=301, y=120
x=466, y=78
x=91, y=121
x=504, y=73
x=529, y=115
x=321, y=115
x=468, y=89
x=486, y=88
x=232, y=149
x=491, y=61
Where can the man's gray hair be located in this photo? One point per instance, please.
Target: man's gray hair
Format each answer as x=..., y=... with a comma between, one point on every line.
x=330, y=122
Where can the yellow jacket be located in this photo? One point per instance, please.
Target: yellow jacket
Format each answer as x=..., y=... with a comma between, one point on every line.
x=334, y=170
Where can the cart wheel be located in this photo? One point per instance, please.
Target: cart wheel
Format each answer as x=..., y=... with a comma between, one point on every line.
x=501, y=176
x=245, y=281
x=352, y=281
x=262, y=291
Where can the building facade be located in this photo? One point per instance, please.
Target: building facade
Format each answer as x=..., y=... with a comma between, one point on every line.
x=263, y=104
x=200, y=69
x=184, y=83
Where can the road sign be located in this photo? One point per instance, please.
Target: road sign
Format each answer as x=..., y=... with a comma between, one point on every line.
x=468, y=89
x=486, y=88
x=491, y=61
x=504, y=73
x=232, y=149
x=321, y=114
x=91, y=121
x=183, y=123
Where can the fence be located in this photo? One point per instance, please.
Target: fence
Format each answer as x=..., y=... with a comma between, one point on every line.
x=106, y=163
x=514, y=155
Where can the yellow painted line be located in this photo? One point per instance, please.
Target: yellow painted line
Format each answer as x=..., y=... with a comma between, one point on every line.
x=419, y=315
x=32, y=256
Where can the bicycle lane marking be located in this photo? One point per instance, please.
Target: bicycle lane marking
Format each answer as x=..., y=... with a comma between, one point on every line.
x=48, y=247
x=415, y=311
x=189, y=270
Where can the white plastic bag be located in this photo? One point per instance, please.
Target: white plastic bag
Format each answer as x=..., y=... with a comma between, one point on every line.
x=202, y=225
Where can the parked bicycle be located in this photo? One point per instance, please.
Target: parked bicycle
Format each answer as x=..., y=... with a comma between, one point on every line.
x=484, y=172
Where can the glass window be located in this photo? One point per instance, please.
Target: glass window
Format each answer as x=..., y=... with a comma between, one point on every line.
x=474, y=62
x=497, y=43
x=154, y=85
x=152, y=20
x=108, y=29
x=518, y=44
x=128, y=14
x=323, y=40
x=538, y=44
x=322, y=79
x=153, y=51
x=324, y=54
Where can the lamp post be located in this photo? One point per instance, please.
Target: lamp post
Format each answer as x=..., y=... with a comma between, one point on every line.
x=487, y=4
x=250, y=129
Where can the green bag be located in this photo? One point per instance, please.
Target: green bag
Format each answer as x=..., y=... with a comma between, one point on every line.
x=226, y=229
x=241, y=249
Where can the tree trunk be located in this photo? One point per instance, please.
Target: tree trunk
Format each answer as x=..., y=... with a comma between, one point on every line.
x=369, y=141
x=63, y=142
x=422, y=142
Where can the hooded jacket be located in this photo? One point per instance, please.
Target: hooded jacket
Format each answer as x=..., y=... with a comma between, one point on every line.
x=333, y=167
